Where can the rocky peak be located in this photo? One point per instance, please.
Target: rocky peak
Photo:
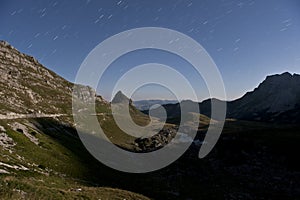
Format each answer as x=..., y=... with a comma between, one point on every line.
x=275, y=95
x=121, y=98
x=284, y=75
x=278, y=79
x=281, y=83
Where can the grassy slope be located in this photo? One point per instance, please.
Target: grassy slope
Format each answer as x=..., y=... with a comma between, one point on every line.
x=57, y=167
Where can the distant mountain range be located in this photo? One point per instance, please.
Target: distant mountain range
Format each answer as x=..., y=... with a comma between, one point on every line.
x=276, y=99
x=147, y=104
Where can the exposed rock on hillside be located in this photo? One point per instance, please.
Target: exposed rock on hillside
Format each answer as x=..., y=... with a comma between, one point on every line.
x=6, y=142
x=28, y=87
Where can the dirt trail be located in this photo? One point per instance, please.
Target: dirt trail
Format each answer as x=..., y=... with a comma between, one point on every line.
x=26, y=116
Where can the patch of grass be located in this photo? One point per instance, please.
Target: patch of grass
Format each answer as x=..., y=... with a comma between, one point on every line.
x=49, y=188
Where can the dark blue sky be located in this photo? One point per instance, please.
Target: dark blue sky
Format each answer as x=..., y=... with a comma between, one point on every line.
x=247, y=39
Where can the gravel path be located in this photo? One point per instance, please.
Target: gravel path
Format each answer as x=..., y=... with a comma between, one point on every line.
x=26, y=116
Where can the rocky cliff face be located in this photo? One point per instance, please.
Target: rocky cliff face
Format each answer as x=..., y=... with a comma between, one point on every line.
x=28, y=87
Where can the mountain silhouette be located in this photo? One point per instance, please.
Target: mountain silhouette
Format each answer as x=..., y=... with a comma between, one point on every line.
x=277, y=98
x=121, y=98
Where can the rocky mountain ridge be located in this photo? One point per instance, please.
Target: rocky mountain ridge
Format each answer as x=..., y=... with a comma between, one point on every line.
x=27, y=87
x=277, y=98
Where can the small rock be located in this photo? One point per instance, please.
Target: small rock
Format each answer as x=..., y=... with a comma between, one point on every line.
x=2, y=129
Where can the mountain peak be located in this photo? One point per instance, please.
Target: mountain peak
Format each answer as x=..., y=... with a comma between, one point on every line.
x=283, y=76
x=285, y=79
x=286, y=74
x=121, y=98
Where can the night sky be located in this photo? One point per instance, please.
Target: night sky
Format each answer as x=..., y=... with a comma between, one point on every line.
x=247, y=39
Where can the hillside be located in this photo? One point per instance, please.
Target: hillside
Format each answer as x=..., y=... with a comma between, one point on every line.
x=26, y=85
x=30, y=90
x=41, y=154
